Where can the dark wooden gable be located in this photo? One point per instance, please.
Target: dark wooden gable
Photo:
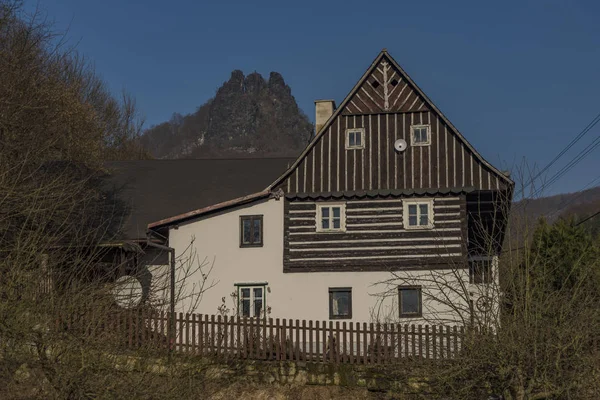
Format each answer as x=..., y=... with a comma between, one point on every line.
x=386, y=111
x=385, y=89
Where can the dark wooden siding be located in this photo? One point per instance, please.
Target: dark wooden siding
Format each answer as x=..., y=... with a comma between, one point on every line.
x=446, y=163
x=391, y=86
x=375, y=238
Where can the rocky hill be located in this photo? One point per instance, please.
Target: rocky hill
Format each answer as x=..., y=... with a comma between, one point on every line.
x=248, y=117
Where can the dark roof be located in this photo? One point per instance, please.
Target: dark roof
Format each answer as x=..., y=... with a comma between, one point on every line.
x=153, y=190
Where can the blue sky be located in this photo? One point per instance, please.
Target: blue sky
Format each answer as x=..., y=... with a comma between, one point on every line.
x=519, y=79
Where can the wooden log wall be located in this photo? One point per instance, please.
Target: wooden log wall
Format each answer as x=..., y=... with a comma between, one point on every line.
x=375, y=238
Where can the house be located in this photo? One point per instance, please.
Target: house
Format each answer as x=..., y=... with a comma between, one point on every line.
x=388, y=214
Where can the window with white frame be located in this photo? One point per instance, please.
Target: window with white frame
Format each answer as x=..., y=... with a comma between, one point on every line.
x=418, y=214
x=331, y=217
x=251, y=300
x=420, y=135
x=355, y=138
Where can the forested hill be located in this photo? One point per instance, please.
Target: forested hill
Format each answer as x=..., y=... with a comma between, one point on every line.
x=248, y=117
x=578, y=205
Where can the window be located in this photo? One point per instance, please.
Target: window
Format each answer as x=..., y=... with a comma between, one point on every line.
x=340, y=303
x=420, y=135
x=251, y=230
x=251, y=301
x=418, y=214
x=480, y=271
x=410, y=301
x=331, y=218
x=355, y=138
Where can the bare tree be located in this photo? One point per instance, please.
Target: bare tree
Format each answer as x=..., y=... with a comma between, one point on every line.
x=532, y=315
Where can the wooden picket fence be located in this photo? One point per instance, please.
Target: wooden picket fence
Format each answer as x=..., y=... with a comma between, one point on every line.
x=315, y=341
x=286, y=339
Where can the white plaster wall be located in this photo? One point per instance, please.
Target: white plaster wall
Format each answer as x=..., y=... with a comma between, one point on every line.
x=295, y=295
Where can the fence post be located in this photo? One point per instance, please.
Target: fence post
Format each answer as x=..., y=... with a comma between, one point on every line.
x=325, y=341
x=218, y=335
x=385, y=343
x=271, y=347
x=283, y=340
x=310, y=341
x=351, y=345
x=193, y=333
x=238, y=327
x=290, y=344
x=365, y=343
x=447, y=342
x=317, y=336
x=277, y=340
x=201, y=337
x=303, y=357
x=297, y=341
x=427, y=341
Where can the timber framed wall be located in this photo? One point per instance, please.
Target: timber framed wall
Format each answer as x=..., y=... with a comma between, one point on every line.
x=375, y=238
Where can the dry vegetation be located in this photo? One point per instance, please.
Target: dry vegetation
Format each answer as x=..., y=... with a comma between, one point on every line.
x=538, y=339
x=58, y=122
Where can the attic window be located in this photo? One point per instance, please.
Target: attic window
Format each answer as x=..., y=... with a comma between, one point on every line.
x=375, y=84
x=394, y=82
x=420, y=135
x=355, y=138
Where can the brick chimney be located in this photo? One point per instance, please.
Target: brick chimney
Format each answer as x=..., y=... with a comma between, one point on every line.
x=323, y=110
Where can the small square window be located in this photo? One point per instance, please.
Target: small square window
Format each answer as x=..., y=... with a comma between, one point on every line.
x=420, y=135
x=355, y=138
x=418, y=214
x=340, y=303
x=410, y=302
x=480, y=271
x=251, y=230
x=251, y=301
x=330, y=218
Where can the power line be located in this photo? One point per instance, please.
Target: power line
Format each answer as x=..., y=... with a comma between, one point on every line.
x=588, y=218
x=574, y=161
x=577, y=138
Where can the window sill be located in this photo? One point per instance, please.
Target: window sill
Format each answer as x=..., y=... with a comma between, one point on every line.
x=420, y=144
x=250, y=245
x=411, y=315
x=331, y=231
x=340, y=317
x=418, y=228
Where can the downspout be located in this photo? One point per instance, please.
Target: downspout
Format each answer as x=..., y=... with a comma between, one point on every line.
x=171, y=250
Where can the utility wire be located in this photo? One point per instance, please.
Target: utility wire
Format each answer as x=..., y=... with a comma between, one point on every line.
x=577, y=138
x=588, y=218
x=574, y=161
